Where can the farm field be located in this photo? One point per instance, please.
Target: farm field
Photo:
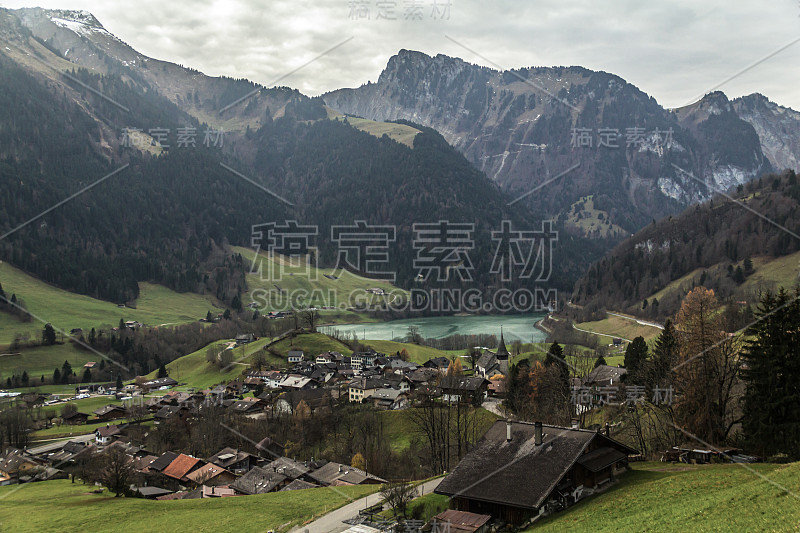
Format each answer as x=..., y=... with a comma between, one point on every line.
x=155, y=306
x=271, y=279
x=614, y=326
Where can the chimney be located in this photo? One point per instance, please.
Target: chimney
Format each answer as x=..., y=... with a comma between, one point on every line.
x=537, y=433
x=340, y=468
x=508, y=430
x=608, y=430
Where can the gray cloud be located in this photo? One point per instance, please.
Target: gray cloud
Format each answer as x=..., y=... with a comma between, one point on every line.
x=674, y=51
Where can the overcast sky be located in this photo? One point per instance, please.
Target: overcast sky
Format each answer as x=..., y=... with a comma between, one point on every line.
x=675, y=50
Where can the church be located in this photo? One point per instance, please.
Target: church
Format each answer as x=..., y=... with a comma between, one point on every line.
x=492, y=363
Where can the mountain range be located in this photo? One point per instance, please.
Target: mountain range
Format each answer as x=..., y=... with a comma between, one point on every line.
x=434, y=138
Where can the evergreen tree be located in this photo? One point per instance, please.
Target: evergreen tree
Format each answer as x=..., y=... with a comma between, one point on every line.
x=66, y=372
x=48, y=335
x=748, y=266
x=56, y=377
x=665, y=356
x=162, y=371
x=635, y=358
x=209, y=318
x=25, y=378
x=771, y=405
x=87, y=376
x=599, y=361
x=119, y=382
x=227, y=314
x=555, y=356
x=236, y=304
x=92, y=337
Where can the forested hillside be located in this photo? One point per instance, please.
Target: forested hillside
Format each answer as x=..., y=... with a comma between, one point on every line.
x=720, y=242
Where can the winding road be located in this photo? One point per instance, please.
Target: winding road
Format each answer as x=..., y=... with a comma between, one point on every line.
x=333, y=522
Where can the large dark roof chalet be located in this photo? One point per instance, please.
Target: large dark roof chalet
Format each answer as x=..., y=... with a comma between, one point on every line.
x=518, y=473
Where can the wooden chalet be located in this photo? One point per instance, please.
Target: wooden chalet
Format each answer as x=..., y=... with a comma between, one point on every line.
x=519, y=471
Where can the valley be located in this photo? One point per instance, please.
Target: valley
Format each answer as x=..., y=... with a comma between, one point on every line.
x=381, y=283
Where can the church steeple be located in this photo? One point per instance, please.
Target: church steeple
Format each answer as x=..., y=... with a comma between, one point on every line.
x=502, y=351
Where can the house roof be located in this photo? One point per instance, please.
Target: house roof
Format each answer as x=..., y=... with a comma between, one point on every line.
x=108, y=431
x=153, y=491
x=108, y=409
x=160, y=382
x=465, y=383
x=287, y=467
x=182, y=465
x=141, y=463
x=217, y=492
x=314, y=398
x=206, y=472
x=487, y=360
x=462, y=521
x=227, y=457
x=76, y=414
x=168, y=411
x=437, y=362
x=387, y=394
x=423, y=374
x=605, y=373
x=337, y=473
x=518, y=473
x=258, y=481
x=162, y=462
x=244, y=406
x=299, y=484
x=297, y=382
x=600, y=458
x=13, y=461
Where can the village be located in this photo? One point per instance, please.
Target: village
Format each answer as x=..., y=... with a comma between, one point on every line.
x=482, y=485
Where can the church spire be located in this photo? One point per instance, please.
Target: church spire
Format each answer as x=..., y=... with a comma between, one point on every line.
x=501, y=348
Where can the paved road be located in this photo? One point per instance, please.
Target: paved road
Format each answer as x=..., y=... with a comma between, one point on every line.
x=492, y=404
x=599, y=334
x=333, y=521
x=55, y=446
x=638, y=321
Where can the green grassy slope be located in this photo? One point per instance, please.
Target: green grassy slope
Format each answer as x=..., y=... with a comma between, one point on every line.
x=44, y=359
x=664, y=497
x=193, y=370
x=615, y=326
x=417, y=354
x=311, y=344
x=62, y=506
x=591, y=221
x=769, y=273
x=156, y=305
x=343, y=292
x=399, y=132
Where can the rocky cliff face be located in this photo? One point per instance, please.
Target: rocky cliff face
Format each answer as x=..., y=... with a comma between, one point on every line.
x=525, y=127
x=778, y=129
